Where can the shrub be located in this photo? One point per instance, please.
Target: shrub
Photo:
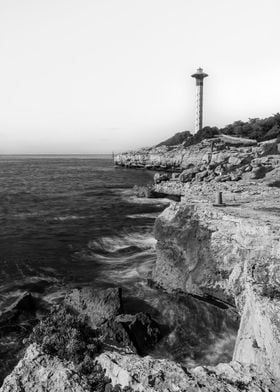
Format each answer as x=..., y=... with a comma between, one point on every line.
x=67, y=336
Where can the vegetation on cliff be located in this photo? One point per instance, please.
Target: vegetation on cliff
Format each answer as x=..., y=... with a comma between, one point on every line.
x=68, y=337
x=257, y=129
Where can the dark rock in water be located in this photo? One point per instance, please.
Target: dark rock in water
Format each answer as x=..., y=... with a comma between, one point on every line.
x=159, y=177
x=16, y=324
x=116, y=337
x=137, y=333
x=143, y=191
x=96, y=304
x=143, y=331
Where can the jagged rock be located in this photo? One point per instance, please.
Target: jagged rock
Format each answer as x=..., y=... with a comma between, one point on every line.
x=38, y=372
x=201, y=175
x=234, y=160
x=132, y=333
x=96, y=304
x=116, y=337
x=188, y=174
x=258, y=172
x=143, y=331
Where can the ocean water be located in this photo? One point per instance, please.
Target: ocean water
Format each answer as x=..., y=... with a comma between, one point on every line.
x=71, y=221
x=68, y=221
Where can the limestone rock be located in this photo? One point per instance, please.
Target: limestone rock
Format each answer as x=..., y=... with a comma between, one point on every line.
x=188, y=174
x=150, y=375
x=38, y=372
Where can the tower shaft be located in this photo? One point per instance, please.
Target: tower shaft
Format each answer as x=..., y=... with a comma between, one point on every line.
x=199, y=76
x=198, y=107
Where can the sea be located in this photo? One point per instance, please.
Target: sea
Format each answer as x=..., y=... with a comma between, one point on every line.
x=74, y=221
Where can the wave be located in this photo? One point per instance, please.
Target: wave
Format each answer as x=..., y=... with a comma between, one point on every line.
x=68, y=217
x=120, y=259
x=115, y=244
x=148, y=215
x=129, y=196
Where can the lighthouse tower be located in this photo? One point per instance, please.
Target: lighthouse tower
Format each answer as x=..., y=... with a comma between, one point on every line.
x=199, y=76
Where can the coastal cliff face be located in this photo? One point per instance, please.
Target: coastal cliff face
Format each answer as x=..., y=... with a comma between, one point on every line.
x=213, y=151
x=232, y=254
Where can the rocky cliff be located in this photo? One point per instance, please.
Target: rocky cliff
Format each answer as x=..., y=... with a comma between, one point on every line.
x=230, y=253
x=220, y=159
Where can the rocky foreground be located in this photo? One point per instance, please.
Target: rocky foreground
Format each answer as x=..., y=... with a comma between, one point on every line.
x=227, y=255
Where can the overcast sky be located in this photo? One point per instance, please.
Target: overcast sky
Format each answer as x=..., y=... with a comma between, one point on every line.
x=93, y=76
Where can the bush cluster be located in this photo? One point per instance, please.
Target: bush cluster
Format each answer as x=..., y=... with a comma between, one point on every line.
x=257, y=129
x=68, y=337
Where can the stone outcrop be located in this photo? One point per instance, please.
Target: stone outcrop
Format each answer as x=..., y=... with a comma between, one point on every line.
x=40, y=372
x=150, y=375
x=215, y=159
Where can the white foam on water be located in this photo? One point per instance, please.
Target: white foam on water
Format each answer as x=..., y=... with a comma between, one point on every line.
x=137, y=200
x=152, y=215
x=221, y=349
x=129, y=196
x=114, y=243
x=68, y=217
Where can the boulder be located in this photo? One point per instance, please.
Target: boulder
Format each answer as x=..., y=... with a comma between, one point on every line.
x=234, y=161
x=258, y=172
x=223, y=178
x=159, y=177
x=201, y=175
x=98, y=305
x=188, y=174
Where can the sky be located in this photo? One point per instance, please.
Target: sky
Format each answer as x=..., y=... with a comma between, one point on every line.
x=96, y=76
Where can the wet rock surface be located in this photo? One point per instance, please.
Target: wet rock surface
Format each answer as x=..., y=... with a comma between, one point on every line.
x=16, y=323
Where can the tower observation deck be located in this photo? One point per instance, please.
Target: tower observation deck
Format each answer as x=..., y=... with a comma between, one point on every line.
x=199, y=76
